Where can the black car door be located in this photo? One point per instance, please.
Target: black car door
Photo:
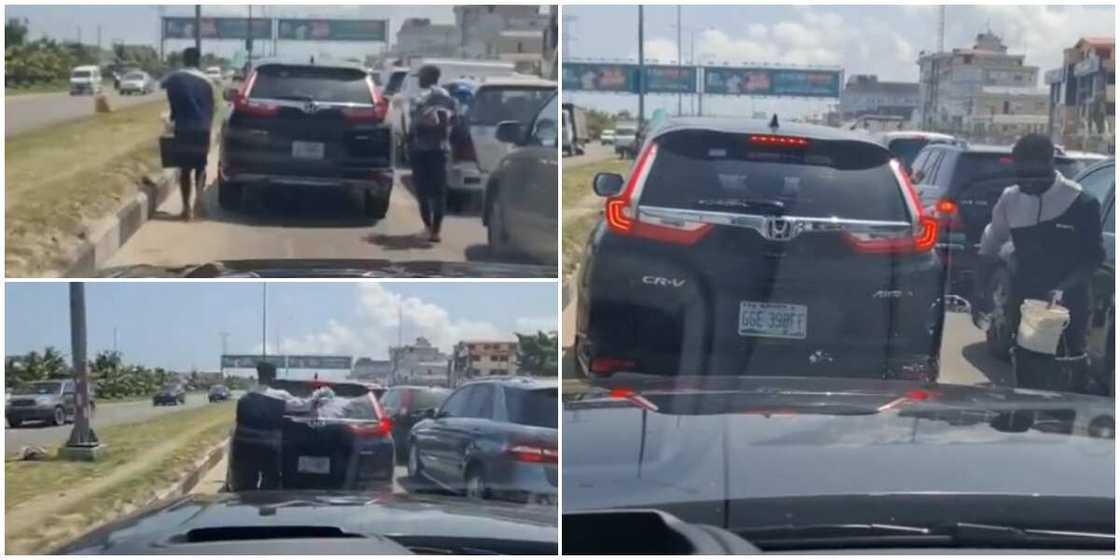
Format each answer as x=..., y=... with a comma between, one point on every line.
x=1100, y=182
x=434, y=441
x=473, y=429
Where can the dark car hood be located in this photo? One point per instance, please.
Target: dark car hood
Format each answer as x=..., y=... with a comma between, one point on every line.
x=382, y=514
x=335, y=268
x=778, y=437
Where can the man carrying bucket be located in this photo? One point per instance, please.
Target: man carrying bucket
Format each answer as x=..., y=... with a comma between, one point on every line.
x=1056, y=230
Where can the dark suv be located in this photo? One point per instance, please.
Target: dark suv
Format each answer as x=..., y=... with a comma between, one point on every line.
x=406, y=405
x=959, y=185
x=171, y=393
x=314, y=126
x=1100, y=181
x=494, y=437
x=737, y=248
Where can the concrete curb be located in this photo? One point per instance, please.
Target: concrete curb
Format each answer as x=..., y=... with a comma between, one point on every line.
x=103, y=237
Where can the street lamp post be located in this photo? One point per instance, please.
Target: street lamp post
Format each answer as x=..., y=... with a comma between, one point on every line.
x=641, y=68
x=83, y=443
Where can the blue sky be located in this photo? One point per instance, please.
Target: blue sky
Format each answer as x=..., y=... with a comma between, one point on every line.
x=177, y=325
x=883, y=40
x=139, y=24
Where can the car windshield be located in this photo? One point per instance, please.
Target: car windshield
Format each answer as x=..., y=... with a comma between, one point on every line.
x=81, y=74
x=493, y=105
x=37, y=389
x=534, y=407
x=134, y=76
x=311, y=83
x=171, y=387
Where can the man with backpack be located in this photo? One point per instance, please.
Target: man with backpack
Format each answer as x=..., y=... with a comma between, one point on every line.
x=432, y=116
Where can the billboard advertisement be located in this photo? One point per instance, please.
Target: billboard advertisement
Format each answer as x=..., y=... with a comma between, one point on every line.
x=772, y=81
x=216, y=28
x=331, y=29
x=249, y=361
x=670, y=79
x=610, y=78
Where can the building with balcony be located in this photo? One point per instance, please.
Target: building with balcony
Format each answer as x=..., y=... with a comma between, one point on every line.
x=864, y=94
x=1082, y=96
x=483, y=26
x=419, y=37
x=485, y=357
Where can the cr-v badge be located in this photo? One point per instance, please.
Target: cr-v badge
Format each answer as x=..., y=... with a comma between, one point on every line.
x=662, y=281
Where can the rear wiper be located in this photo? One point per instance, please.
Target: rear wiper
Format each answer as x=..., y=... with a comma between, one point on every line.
x=858, y=535
x=775, y=206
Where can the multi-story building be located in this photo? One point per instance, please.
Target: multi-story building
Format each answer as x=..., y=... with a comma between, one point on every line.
x=419, y=37
x=485, y=357
x=864, y=94
x=951, y=84
x=372, y=370
x=1000, y=114
x=1082, y=96
x=415, y=358
x=482, y=27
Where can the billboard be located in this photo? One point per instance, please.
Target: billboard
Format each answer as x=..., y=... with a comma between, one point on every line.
x=670, y=79
x=610, y=78
x=772, y=81
x=216, y=28
x=249, y=361
x=331, y=29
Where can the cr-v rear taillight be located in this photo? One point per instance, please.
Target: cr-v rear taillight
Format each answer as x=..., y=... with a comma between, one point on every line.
x=376, y=113
x=921, y=238
x=623, y=217
x=243, y=104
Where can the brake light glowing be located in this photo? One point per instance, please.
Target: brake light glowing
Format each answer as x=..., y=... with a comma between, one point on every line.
x=375, y=113
x=621, y=210
x=922, y=238
x=622, y=393
x=947, y=212
x=604, y=365
x=381, y=428
x=534, y=454
x=777, y=140
x=946, y=206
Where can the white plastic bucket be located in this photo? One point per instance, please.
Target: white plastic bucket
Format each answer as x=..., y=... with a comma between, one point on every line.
x=1041, y=326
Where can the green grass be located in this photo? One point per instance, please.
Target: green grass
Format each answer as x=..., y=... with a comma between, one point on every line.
x=580, y=206
x=41, y=87
x=182, y=436
x=577, y=179
x=575, y=237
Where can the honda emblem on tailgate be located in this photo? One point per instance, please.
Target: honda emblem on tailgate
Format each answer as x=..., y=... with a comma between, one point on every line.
x=781, y=229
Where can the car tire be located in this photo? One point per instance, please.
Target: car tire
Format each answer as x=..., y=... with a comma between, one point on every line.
x=496, y=235
x=375, y=207
x=415, y=467
x=14, y=422
x=998, y=337
x=59, y=417
x=474, y=484
x=230, y=195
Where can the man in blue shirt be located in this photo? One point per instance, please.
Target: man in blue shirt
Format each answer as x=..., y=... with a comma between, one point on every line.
x=429, y=140
x=191, y=98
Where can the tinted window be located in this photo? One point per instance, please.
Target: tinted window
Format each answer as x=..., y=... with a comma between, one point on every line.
x=395, y=81
x=456, y=405
x=493, y=105
x=544, y=127
x=332, y=85
x=980, y=166
x=37, y=389
x=80, y=74
x=1109, y=225
x=532, y=408
x=425, y=399
x=701, y=170
x=134, y=76
x=907, y=149
x=480, y=404
x=1099, y=182
x=391, y=400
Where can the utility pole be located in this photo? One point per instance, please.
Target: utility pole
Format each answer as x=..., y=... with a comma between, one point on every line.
x=198, y=28
x=264, y=320
x=680, y=96
x=162, y=39
x=83, y=444
x=99, y=43
x=567, y=36
x=221, y=361
x=249, y=35
x=641, y=68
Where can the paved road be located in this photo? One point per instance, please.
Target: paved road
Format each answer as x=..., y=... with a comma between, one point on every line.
x=107, y=414
x=311, y=224
x=592, y=153
x=37, y=110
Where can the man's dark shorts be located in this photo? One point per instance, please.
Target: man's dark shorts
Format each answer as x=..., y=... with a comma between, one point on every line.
x=195, y=146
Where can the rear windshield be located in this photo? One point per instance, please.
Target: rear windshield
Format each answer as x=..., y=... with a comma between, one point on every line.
x=80, y=74
x=135, y=76
x=907, y=149
x=982, y=166
x=395, y=82
x=423, y=400
x=37, y=389
x=532, y=408
x=623, y=131
x=170, y=387
x=493, y=105
x=309, y=83
x=716, y=171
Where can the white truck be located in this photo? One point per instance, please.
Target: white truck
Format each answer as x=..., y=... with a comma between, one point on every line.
x=575, y=129
x=626, y=139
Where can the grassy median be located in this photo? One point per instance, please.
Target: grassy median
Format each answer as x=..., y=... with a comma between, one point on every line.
x=581, y=207
x=41, y=87
x=49, y=502
x=59, y=176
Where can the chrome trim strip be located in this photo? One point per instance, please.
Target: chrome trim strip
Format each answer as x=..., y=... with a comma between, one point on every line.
x=764, y=224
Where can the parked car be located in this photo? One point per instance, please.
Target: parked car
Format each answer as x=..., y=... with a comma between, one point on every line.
x=218, y=393
x=406, y=405
x=308, y=434
x=1100, y=181
x=959, y=185
x=495, y=101
x=821, y=264
x=520, y=206
x=306, y=126
x=574, y=128
x=85, y=79
x=48, y=401
x=1083, y=159
x=906, y=144
x=606, y=138
x=626, y=140
x=494, y=437
x=138, y=83
x=170, y=393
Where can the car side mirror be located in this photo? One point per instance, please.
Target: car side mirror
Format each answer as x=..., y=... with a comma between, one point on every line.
x=607, y=184
x=510, y=132
x=229, y=94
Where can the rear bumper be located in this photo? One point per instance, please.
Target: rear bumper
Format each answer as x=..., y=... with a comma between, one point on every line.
x=465, y=178
x=379, y=184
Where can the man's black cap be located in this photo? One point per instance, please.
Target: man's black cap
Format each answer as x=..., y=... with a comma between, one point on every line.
x=1033, y=147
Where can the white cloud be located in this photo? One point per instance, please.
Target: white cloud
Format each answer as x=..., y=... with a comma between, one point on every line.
x=661, y=50
x=529, y=325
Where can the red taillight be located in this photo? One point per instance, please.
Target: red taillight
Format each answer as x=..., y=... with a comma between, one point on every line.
x=375, y=113
x=922, y=238
x=620, y=210
x=534, y=454
x=778, y=140
x=947, y=212
x=623, y=393
x=381, y=428
x=603, y=365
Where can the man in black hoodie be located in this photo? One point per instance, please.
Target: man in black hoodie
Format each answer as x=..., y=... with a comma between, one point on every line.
x=1056, y=230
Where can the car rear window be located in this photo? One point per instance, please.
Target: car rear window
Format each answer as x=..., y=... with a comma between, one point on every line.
x=493, y=105
x=907, y=149
x=80, y=74
x=717, y=171
x=535, y=407
x=299, y=83
x=134, y=76
x=396, y=79
x=423, y=400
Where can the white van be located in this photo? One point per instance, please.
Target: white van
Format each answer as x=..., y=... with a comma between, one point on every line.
x=85, y=79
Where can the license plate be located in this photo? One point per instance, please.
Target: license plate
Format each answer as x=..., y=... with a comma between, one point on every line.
x=308, y=150
x=772, y=320
x=314, y=465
